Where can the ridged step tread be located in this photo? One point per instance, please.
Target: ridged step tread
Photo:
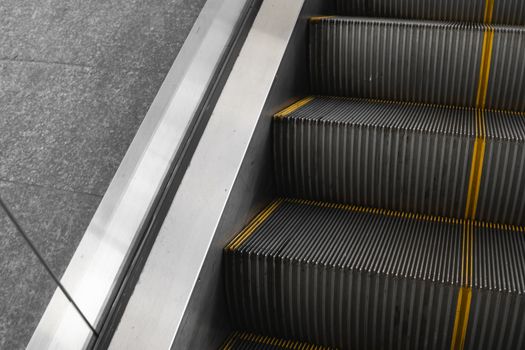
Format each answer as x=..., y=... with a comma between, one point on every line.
x=249, y=341
x=403, y=156
x=485, y=11
x=358, y=278
x=459, y=64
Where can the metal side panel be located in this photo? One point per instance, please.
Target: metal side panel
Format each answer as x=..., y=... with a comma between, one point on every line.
x=155, y=312
x=96, y=265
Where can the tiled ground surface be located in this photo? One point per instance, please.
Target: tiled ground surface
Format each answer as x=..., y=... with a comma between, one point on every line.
x=76, y=79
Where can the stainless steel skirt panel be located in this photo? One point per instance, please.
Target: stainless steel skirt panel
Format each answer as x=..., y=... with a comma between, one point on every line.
x=348, y=279
x=504, y=11
x=414, y=61
x=399, y=156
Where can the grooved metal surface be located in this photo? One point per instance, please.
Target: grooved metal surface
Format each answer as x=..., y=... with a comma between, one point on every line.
x=502, y=189
x=400, y=156
x=348, y=278
x=506, y=87
x=504, y=11
x=496, y=321
x=249, y=341
x=498, y=294
x=499, y=259
x=413, y=61
x=416, y=61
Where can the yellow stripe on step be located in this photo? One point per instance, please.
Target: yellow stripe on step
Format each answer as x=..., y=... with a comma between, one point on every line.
x=489, y=9
x=294, y=107
x=461, y=321
x=484, y=69
x=476, y=167
x=465, y=292
x=253, y=225
x=319, y=18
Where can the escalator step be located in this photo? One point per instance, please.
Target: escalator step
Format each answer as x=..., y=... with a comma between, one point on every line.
x=488, y=11
x=248, y=341
x=403, y=156
x=496, y=318
x=358, y=278
x=346, y=277
x=466, y=65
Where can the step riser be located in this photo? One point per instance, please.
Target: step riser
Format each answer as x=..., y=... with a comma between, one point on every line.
x=376, y=167
x=447, y=64
x=343, y=309
x=502, y=188
x=488, y=11
x=404, y=157
x=357, y=278
x=494, y=321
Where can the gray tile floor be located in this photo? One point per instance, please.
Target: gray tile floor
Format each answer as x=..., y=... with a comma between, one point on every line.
x=76, y=79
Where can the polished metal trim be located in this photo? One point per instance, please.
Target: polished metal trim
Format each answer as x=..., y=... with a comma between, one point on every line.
x=155, y=311
x=95, y=268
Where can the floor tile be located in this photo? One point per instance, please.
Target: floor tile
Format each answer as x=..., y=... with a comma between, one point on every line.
x=116, y=33
x=54, y=221
x=69, y=127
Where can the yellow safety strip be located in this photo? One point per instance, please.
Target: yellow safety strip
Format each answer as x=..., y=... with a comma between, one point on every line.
x=484, y=69
x=253, y=225
x=465, y=293
x=230, y=341
x=496, y=226
x=294, y=107
x=266, y=213
x=319, y=18
x=405, y=215
x=425, y=104
x=476, y=167
x=378, y=211
x=489, y=9
x=285, y=344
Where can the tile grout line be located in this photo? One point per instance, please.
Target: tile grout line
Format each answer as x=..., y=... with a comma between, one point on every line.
x=20, y=183
x=86, y=66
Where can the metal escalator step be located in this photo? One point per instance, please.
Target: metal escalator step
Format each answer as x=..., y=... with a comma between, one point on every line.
x=358, y=278
x=498, y=295
x=347, y=277
x=249, y=341
x=468, y=65
x=487, y=11
x=502, y=189
x=403, y=156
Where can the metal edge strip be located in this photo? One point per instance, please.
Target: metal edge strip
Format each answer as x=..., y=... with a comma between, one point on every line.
x=137, y=260
x=95, y=269
x=154, y=314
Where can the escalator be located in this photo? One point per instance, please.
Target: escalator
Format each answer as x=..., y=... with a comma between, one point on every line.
x=399, y=210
